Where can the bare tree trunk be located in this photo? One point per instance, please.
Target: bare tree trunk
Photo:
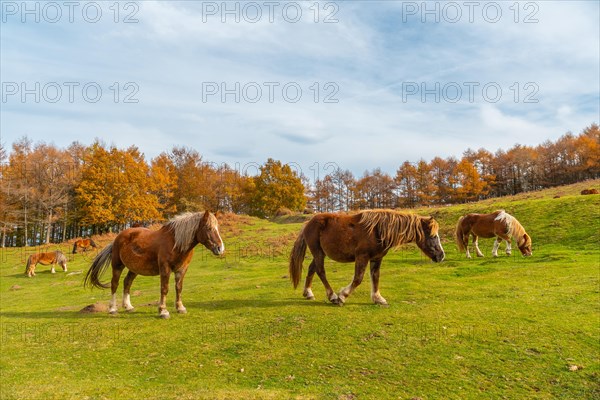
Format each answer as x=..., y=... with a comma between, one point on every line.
x=49, y=228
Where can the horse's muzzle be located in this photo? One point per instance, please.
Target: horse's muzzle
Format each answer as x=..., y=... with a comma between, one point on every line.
x=439, y=257
x=218, y=250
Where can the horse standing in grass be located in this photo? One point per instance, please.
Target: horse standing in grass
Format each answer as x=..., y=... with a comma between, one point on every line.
x=499, y=224
x=51, y=258
x=149, y=253
x=84, y=245
x=362, y=238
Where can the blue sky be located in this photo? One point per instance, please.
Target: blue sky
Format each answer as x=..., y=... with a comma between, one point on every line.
x=375, y=58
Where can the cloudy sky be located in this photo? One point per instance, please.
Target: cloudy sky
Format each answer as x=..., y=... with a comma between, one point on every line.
x=361, y=84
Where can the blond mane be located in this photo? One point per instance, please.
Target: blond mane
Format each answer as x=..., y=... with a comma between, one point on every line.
x=185, y=226
x=395, y=227
x=514, y=227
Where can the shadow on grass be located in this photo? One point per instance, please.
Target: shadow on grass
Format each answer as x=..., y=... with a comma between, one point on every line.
x=231, y=304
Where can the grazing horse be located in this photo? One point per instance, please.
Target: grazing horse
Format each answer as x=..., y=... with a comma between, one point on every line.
x=150, y=253
x=364, y=237
x=51, y=258
x=499, y=224
x=84, y=245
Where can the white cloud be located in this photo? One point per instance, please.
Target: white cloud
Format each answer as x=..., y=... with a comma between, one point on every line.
x=171, y=52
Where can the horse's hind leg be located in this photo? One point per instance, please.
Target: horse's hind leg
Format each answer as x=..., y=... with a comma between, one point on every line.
x=359, y=272
x=465, y=241
x=307, y=293
x=476, y=243
x=126, y=290
x=179, y=275
x=114, y=284
x=377, y=298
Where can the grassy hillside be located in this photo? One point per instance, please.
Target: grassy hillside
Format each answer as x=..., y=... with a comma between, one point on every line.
x=486, y=328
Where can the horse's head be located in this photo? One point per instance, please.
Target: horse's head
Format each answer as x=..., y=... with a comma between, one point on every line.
x=208, y=234
x=524, y=244
x=93, y=244
x=430, y=243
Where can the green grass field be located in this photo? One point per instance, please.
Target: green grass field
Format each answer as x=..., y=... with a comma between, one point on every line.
x=505, y=328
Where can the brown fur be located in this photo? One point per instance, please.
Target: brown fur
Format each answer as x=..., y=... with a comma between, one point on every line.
x=498, y=224
x=84, y=245
x=150, y=253
x=361, y=238
x=51, y=258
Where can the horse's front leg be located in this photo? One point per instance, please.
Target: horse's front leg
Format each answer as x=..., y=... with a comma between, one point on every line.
x=165, y=274
x=508, y=247
x=497, y=242
x=179, y=275
x=377, y=298
x=359, y=271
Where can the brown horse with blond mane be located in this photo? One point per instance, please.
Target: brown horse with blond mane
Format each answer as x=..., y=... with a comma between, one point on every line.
x=84, y=245
x=362, y=238
x=50, y=258
x=150, y=253
x=499, y=224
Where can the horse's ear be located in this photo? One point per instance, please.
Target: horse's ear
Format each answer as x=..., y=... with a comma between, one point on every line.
x=206, y=214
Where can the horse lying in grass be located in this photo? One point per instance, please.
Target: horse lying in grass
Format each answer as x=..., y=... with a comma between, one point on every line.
x=51, y=258
x=362, y=238
x=149, y=253
x=499, y=224
x=83, y=245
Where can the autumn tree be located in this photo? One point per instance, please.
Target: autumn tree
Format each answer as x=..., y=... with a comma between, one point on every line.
x=276, y=186
x=375, y=190
x=115, y=188
x=471, y=186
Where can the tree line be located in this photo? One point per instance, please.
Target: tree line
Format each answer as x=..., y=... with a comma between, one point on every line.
x=48, y=194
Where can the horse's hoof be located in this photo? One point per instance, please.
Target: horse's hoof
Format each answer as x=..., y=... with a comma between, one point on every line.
x=130, y=309
x=337, y=301
x=164, y=315
x=385, y=305
x=310, y=298
x=112, y=312
x=182, y=310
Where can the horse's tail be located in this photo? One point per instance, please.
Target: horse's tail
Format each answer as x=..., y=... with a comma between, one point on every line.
x=99, y=265
x=459, y=234
x=75, y=247
x=28, y=265
x=297, y=258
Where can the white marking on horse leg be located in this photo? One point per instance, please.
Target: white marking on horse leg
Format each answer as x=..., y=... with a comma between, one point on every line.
x=345, y=292
x=378, y=299
x=495, y=248
x=308, y=294
x=127, y=302
x=334, y=298
x=53, y=270
x=112, y=307
x=508, y=247
x=164, y=314
x=479, y=253
x=468, y=254
x=180, y=307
